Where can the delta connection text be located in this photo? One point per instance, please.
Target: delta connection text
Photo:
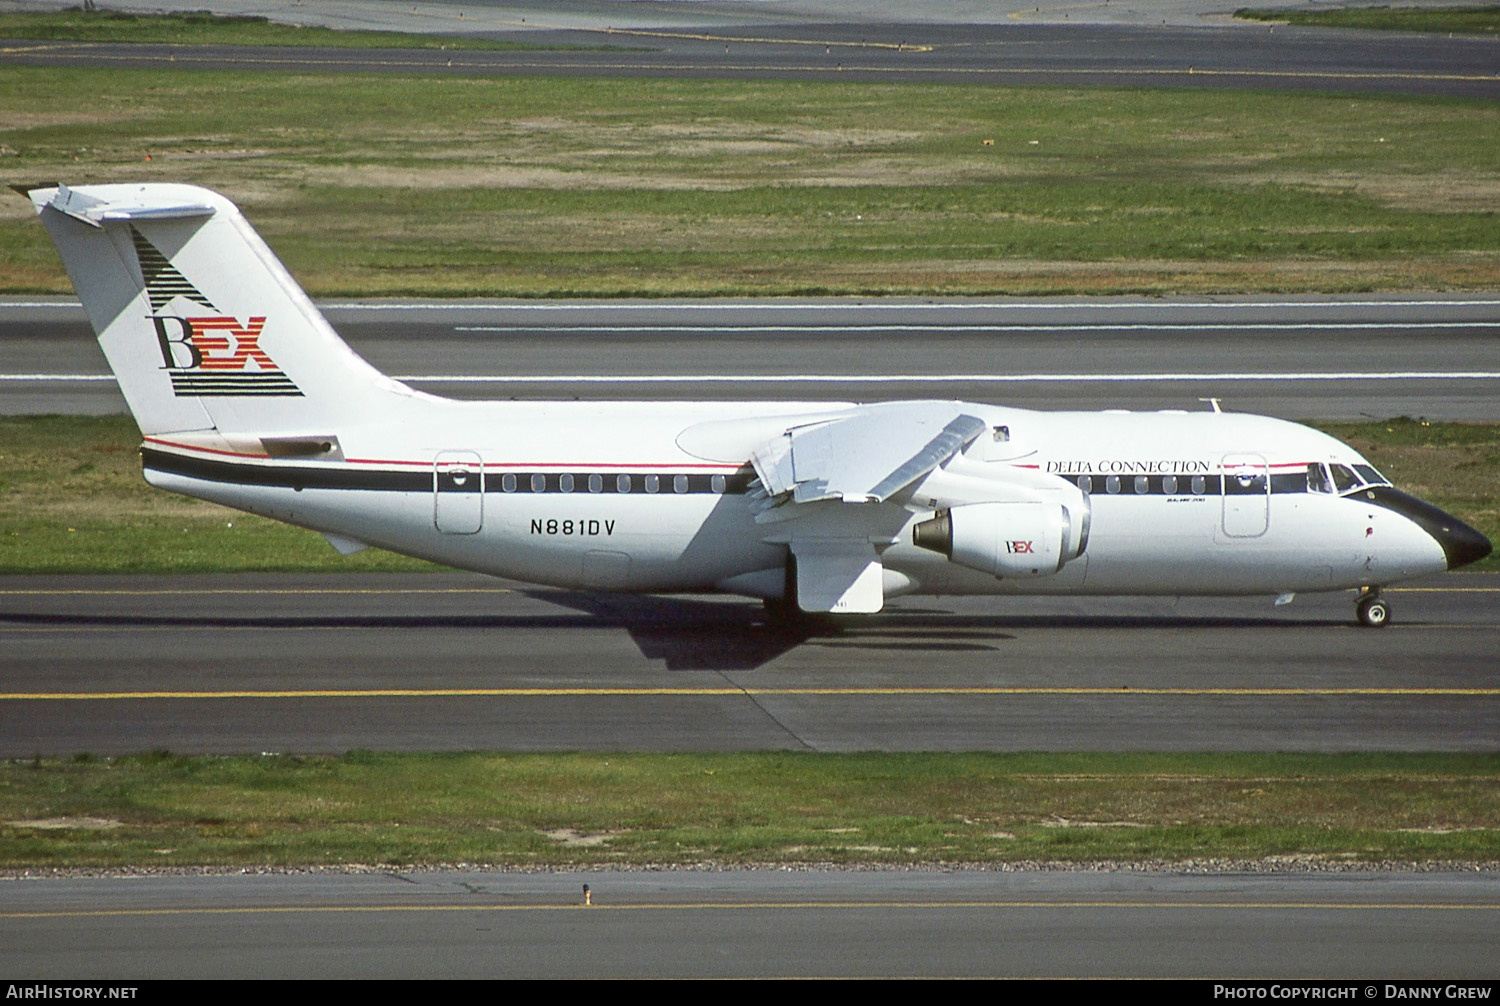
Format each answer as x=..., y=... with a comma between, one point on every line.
x=1352, y=991
x=1129, y=466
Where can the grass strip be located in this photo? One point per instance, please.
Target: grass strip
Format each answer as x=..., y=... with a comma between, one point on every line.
x=555, y=810
x=75, y=501
x=1477, y=20
x=373, y=185
x=206, y=28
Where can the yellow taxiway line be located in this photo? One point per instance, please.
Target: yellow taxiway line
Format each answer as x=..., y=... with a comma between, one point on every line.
x=500, y=66
x=712, y=692
x=747, y=39
x=703, y=906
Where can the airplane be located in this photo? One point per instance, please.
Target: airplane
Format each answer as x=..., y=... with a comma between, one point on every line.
x=246, y=396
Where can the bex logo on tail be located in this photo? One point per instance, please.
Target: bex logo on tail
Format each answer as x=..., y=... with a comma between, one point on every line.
x=218, y=355
x=211, y=354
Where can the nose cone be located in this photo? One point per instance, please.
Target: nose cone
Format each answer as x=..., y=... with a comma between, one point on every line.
x=1461, y=543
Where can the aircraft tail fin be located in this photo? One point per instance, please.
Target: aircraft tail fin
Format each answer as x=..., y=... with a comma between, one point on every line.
x=202, y=325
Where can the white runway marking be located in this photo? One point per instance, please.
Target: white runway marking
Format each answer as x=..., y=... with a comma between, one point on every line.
x=1477, y=375
x=1141, y=305
x=662, y=306
x=1269, y=326
x=1398, y=375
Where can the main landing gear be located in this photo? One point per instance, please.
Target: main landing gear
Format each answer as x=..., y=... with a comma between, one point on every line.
x=1372, y=610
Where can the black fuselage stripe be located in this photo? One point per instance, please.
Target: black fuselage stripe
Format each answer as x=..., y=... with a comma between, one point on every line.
x=1187, y=485
x=422, y=480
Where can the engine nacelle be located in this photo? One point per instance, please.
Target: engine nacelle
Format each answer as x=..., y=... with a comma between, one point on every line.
x=1007, y=539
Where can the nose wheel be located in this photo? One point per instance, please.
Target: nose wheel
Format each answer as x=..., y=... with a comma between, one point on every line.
x=1372, y=610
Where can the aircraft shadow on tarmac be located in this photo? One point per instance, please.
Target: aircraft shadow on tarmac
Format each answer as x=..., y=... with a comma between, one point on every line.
x=692, y=635
x=701, y=635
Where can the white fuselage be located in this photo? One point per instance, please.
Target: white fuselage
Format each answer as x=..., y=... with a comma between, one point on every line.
x=684, y=523
x=247, y=397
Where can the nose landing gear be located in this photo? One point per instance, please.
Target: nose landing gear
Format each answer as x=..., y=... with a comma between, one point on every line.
x=1372, y=610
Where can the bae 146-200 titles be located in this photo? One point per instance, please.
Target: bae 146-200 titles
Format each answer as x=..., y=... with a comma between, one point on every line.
x=245, y=396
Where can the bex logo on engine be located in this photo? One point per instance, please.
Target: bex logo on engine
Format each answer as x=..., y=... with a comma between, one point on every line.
x=217, y=355
x=1019, y=547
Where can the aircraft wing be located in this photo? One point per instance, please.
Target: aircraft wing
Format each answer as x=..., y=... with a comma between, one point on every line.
x=865, y=457
x=810, y=473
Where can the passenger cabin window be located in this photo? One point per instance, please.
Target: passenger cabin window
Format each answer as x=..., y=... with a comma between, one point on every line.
x=538, y=483
x=508, y=482
x=622, y=483
x=1142, y=485
x=679, y=483
x=596, y=483
x=1169, y=484
x=717, y=483
x=1200, y=485
x=1086, y=483
x=653, y=483
x=1112, y=484
x=565, y=483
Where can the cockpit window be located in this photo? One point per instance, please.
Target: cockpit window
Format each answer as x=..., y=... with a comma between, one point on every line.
x=1343, y=478
x=1318, y=480
x=1371, y=476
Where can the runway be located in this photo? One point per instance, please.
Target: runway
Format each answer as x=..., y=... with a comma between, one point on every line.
x=1296, y=358
x=235, y=664
x=274, y=663
x=1215, y=54
x=754, y=924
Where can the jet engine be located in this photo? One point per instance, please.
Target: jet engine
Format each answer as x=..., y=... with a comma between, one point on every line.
x=1007, y=539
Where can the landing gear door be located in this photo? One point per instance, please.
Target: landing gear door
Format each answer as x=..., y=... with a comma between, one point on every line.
x=458, y=492
x=1247, y=495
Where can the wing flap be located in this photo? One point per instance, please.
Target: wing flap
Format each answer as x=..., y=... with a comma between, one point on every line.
x=864, y=457
x=838, y=576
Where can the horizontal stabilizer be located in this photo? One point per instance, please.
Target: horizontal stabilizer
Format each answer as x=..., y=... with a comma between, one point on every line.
x=145, y=203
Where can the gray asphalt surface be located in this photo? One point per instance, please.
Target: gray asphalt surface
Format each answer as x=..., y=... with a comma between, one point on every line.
x=235, y=664
x=755, y=924
x=1136, y=54
x=766, y=924
x=1297, y=358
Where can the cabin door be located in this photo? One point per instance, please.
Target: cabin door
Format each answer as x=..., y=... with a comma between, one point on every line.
x=458, y=492
x=1247, y=495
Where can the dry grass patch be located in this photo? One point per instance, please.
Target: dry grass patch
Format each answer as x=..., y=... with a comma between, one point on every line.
x=1442, y=191
x=458, y=186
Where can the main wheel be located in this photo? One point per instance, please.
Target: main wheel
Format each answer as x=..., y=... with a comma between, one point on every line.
x=1373, y=611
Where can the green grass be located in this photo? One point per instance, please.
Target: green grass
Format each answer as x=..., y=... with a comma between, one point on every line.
x=1476, y=20
x=205, y=28
x=734, y=809
x=75, y=501
x=1453, y=465
x=453, y=186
